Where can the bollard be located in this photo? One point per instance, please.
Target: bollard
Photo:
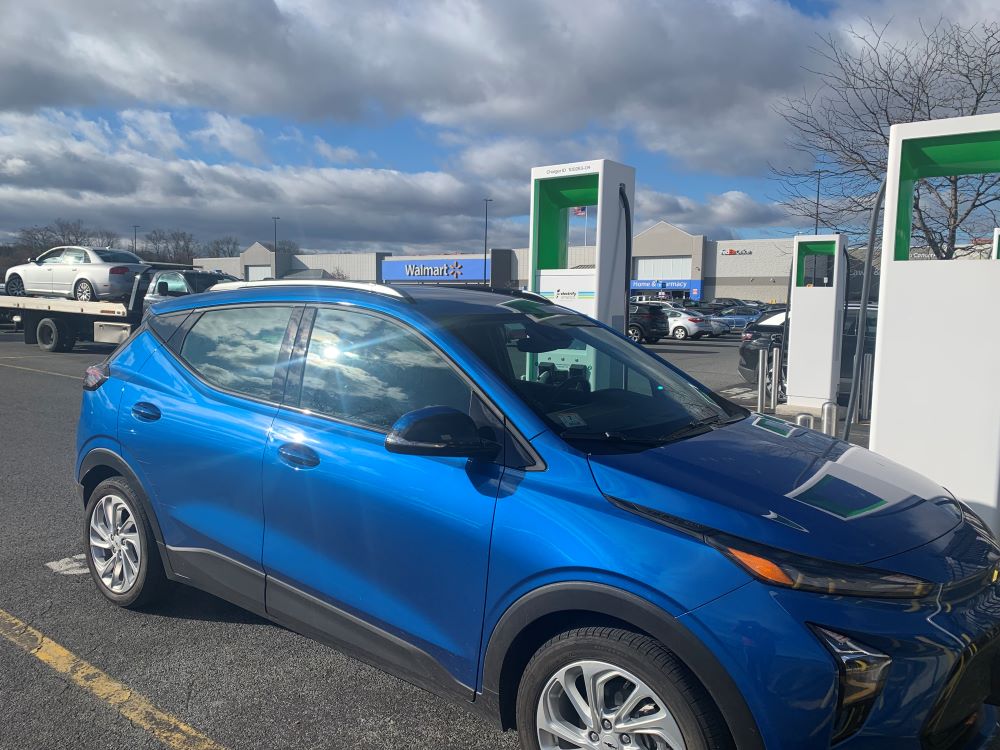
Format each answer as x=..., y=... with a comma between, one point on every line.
x=775, y=377
x=829, y=423
x=761, y=380
x=804, y=420
x=865, y=402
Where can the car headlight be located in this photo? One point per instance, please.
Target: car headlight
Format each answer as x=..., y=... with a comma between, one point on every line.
x=820, y=576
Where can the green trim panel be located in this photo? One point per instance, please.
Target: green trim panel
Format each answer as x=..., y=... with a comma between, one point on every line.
x=940, y=156
x=811, y=247
x=551, y=200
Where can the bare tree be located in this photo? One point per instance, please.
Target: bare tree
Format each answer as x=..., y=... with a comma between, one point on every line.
x=866, y=83
x=106, y=238
x=224, y=247
x=284, y=246
x=156, y=244
x=34, y=240
x=182, y=246
x=73, y=232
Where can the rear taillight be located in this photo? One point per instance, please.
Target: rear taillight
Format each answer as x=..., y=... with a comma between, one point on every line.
x=747, y=336
x=697, y=320
x=119, y=270
x=95, y=376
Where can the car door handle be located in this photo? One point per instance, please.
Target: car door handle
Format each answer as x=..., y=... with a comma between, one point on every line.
x=298, y=455
x=145, y=412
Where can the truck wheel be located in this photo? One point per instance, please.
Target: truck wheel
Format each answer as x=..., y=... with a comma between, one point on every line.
x=54, y=336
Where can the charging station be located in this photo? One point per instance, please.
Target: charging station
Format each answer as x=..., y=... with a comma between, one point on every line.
x=555, y=190
x=936, y=400
x=819, y=273
x=598, y=292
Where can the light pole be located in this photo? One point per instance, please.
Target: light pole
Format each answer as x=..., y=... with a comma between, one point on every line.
x=486, y=224
x=135, y=235
x=275, y=220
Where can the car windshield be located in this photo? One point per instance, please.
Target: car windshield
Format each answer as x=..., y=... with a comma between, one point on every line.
x=587, y=383
x=117, y=256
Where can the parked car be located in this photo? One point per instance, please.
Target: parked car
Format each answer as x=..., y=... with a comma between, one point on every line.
x=719, y=326
x=647, y=322
x=81, y=273
x=766, y=333
x=738, y=317
x=176, y=283
x=616, y=558
x=685, y=324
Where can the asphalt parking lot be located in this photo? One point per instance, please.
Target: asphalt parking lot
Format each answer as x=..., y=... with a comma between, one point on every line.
x=234, y=679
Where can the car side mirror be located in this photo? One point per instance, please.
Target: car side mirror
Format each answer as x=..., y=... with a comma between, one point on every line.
x=161, y=288
x=438, y=431
x=32, y=260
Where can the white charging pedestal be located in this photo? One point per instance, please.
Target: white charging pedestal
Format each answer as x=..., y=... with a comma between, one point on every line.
x=819, y=274
x=936, y=387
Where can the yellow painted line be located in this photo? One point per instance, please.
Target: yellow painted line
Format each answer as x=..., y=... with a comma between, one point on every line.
x=137, y=708
x=44, y=372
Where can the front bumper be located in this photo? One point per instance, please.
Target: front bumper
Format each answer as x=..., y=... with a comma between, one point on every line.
x=934, y=690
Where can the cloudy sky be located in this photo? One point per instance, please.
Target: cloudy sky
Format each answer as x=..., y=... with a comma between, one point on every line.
x=384, y=124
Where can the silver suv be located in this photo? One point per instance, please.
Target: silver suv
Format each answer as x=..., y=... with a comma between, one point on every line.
x=82, y=273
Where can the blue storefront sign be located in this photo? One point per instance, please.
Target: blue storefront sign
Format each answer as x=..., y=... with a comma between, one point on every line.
x=691, y=286
x=453, y=270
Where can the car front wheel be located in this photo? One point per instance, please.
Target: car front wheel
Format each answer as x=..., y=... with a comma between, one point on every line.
x=602, y=687
x=15, y=287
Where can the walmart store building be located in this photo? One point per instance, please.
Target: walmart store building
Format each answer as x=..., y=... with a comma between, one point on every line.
x=667, y=261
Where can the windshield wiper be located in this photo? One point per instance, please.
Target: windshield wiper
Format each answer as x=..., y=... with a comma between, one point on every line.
x=609, y=437
x=698, y=427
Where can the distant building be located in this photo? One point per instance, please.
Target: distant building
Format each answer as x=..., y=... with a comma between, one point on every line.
x=666, y=261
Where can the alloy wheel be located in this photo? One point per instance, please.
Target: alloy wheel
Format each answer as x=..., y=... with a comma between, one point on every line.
x=594, y=704
x=115, y=544
x=15, y=287
x=680, y=332
x=634, y=334
x=83, y=293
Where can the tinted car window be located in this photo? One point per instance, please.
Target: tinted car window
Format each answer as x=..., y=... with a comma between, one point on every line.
x=237, y=348
x=364, y=369
x=117, y=256
x=200, y=282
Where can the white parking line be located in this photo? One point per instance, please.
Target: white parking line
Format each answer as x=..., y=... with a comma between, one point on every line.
x=69, y=566
x=44, y=372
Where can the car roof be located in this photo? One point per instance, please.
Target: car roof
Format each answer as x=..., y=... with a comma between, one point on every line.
x=432, y=300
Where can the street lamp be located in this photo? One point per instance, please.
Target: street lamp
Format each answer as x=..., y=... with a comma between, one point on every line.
x=486, y=224
x=275, y=220
x=135, y=235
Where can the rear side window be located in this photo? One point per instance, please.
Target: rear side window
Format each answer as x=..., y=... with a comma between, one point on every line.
x=117, y=256
x=370, y=371
x=237, y=348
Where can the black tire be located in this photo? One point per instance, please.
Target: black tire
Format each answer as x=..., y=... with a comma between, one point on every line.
x=680, y=333
x=634, y=333
x=83, y=291
x=54, y=335
x=151, y=582
x=697, y=715
x=15, y=286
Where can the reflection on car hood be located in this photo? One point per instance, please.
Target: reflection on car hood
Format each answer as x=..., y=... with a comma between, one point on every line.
x=772, y=482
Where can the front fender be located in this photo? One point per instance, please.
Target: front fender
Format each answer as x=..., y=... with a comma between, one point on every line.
x=611, y=602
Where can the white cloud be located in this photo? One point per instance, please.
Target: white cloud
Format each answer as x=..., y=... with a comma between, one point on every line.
x=146, y=129
x=335, y=154
x=232, y=135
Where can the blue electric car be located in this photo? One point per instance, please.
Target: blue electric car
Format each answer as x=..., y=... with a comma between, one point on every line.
x=513, y=506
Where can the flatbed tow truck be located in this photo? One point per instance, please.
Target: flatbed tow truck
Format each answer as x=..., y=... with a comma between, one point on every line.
x=56, y=324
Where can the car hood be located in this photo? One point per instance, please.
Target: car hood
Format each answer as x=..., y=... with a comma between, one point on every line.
x=772, y=482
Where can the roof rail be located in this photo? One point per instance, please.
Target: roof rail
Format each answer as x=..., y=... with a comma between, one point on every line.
x=509, y=291
x=357, y=286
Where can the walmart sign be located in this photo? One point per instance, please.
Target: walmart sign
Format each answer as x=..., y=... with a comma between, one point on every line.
x=457, y=270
